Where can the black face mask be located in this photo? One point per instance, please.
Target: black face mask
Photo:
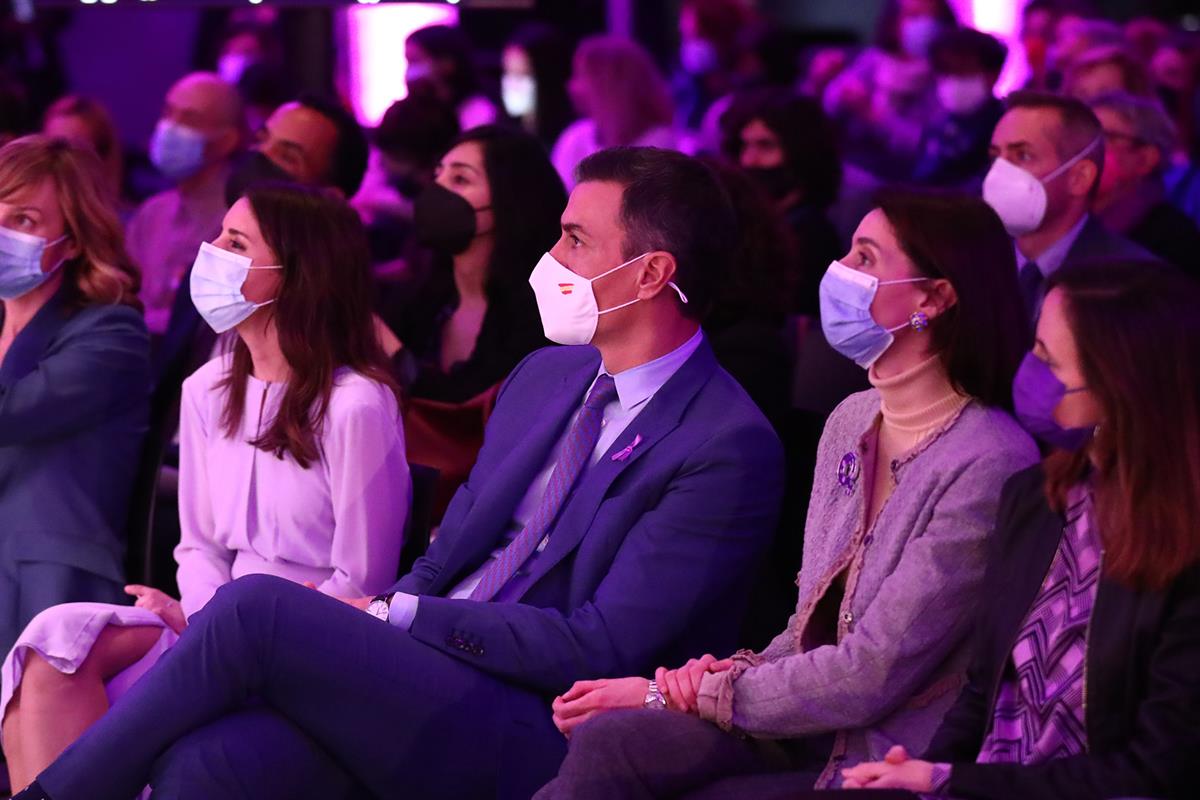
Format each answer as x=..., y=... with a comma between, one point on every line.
x=444, y=221
x=775, y=181
x=253, y=168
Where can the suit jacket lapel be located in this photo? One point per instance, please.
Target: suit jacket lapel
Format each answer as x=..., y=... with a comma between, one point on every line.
x=31, y=343
x=659, y=417
x=509, y=481
x=1043, y=532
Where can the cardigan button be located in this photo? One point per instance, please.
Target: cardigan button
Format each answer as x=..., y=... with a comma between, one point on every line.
x=848, y=618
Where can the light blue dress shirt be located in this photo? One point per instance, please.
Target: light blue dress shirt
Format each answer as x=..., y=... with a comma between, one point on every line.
x=635, y=387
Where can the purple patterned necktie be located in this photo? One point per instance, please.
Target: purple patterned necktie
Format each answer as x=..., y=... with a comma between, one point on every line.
x=576, y=451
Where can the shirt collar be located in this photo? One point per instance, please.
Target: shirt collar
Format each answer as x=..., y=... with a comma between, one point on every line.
x=1053, y=256
x=638, y=384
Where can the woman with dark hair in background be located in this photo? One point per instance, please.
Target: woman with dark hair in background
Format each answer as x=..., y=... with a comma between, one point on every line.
x=292, y=462
x=1083, y=680
x=882, y=100
x=490, y=214
x=904, y=496
x=537, y=61
x=789, y=147
x=441, y=64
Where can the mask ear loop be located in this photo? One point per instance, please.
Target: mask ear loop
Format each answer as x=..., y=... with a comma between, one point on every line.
x=917, y=320
x=1073, y=160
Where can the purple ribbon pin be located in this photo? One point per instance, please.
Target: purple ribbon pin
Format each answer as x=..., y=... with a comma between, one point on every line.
x=626, y=452
x=847, y=474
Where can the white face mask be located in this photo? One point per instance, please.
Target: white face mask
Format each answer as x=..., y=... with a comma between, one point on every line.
x=216, y=285
x=567, y=304
x=1018, y=196
x=519, y=93
x=962, y=94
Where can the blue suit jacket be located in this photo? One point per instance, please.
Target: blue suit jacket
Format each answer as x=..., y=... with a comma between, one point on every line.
x=651, y=559
x=73, y=407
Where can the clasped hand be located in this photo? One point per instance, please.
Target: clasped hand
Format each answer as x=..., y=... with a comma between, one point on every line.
x=896, y=771
x=680, y=687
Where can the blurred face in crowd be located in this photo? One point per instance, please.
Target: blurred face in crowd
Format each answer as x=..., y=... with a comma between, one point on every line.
x=205, y=103
x=1055, y=345
x=35, y=210
x=876, y=251
x=424, y=73
x=518, y=87
x=300, y=141
x=761, y=147
x=1127, y=159
x=240, y=234
x=1095, y=81
x=1169, y=68
x=1037, y=34
x=462, y=172
x=1027, y=137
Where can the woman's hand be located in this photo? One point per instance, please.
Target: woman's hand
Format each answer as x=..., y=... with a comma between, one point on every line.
x=586, y=699
x=161, y=603
x=896, y=771
x=682, y=686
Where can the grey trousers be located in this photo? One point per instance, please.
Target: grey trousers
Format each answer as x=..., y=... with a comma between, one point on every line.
x=633, y=754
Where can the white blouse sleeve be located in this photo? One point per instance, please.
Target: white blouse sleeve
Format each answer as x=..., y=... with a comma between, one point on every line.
x=371, y=492
x=204, y=564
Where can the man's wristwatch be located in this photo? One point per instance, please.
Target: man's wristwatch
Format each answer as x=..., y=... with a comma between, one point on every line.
x=380, y=606
x=654, y=698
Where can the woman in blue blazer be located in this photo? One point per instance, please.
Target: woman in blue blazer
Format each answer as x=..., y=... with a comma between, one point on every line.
x=74, y=382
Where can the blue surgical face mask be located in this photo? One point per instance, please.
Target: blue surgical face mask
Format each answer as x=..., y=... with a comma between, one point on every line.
x=21, y=262
x=216, y=285
x=177, y=150
x=846, y=296
x=1037, y=391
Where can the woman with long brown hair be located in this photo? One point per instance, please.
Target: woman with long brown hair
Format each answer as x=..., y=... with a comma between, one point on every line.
x=1084, y=675
x=292, y=462
x=74, y=380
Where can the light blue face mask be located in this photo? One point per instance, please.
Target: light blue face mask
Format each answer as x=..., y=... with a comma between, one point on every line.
x=216, y=285
x=21, y=262
x=846, y=295
x=177, y=150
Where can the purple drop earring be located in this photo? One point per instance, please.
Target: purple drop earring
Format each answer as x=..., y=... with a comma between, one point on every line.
x=918, y=321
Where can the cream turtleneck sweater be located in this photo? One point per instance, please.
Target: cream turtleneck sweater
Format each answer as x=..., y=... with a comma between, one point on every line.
x=913, y=405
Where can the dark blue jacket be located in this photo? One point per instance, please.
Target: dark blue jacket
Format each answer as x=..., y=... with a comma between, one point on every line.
x=651, y=559
x=73, y=410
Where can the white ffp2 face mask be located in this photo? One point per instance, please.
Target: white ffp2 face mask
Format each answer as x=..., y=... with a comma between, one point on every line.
x=567, y=304
x=1018, y=196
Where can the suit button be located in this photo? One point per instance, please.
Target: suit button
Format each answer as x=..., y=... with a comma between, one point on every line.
x=478, y=650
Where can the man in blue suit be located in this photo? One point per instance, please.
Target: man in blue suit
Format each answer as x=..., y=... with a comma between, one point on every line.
x=612, y=523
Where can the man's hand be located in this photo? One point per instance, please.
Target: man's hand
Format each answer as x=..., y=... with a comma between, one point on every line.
x=360, y=603
x=160, y=603
x=681, y=686
x=586, y=699
x=896, y=771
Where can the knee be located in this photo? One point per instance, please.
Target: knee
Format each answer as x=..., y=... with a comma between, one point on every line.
x=245, y=597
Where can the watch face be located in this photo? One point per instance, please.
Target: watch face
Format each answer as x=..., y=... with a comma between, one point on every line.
x=378, y=609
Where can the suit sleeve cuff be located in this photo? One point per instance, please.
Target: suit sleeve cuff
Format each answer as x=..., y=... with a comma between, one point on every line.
x=402, y=610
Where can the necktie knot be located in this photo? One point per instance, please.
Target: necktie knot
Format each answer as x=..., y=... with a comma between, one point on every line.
x=603, y=392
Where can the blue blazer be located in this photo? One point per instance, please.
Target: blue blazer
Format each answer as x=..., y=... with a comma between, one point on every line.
x=74, y=399
x=651, y=559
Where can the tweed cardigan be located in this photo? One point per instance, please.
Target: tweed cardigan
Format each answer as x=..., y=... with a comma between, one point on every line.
x=912, y=584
